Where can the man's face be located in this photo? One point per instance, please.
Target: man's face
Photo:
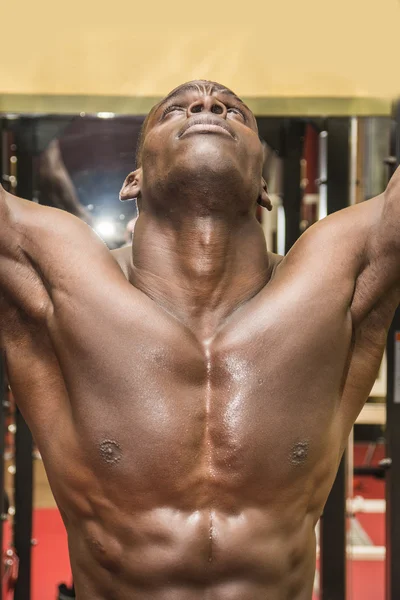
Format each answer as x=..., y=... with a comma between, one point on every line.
x=202, y=133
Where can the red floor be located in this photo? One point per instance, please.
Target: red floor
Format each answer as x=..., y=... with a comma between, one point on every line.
x=50, y=562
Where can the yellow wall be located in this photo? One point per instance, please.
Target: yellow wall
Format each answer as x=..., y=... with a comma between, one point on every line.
x=340, y=48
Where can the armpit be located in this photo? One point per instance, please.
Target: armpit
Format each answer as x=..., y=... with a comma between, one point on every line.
x=373, y=291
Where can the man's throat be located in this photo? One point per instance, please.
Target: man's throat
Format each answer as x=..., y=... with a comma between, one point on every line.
x=200, y=275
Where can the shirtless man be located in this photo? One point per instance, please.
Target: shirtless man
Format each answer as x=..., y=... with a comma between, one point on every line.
x=192, y=403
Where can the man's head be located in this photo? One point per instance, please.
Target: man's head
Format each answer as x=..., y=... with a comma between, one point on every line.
x=199, y=149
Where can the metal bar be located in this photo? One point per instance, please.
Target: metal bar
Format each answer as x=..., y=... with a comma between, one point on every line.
x=338, y=163
x=280, y=229
x=393, y=451
x=333, y=523
x=23, y=480
x=3, y=399
x=392, y=431
x=293, y=139
x=323, y=175
x=3, y=393
x=393, y=428
x=2, y=409
x=378, y=472
x=333, y=540
x=353, y=159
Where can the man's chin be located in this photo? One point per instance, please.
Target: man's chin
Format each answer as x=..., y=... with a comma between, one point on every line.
x=200, y=176
x=208, y=152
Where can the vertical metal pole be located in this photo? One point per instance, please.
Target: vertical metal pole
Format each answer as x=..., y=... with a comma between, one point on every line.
x=333, y=523
x=323, y=175
x=3, y=397
x=281, y=230
x=393, y=452
x=393, y=433
x=339, y=157
x=293, y=132
x=23, y=480
x=333, y=540
x=353, y=159
x=2, y=409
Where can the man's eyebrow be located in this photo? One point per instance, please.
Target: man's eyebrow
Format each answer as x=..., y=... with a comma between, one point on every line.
x=190, y=87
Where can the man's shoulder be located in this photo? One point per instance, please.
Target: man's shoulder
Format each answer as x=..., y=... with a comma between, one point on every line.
x=31, y=222
x=338, y=239
x=31, y=214
x=54, y=250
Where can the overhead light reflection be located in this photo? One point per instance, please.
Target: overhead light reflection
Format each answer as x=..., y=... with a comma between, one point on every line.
x=106, y=229
x=106, y=115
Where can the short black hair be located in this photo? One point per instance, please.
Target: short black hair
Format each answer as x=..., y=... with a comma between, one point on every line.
x=185, y=87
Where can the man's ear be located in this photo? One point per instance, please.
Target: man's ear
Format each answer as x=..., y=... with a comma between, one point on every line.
x=132, y=186
x=264, y=200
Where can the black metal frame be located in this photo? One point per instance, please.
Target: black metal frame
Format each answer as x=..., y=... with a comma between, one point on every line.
x=3, y=399
x=293, y=131
x=333, y=563
x=23, y=479
x=393, y=474
x=3, y=402
x=29, y=142
x=23, y=484
x=333, y=572
x=393, y=428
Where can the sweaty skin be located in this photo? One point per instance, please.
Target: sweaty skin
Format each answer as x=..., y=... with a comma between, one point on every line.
x=192, y=396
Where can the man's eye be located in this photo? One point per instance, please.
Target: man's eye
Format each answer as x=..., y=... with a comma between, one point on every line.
x=171, y=109
x=236, y=111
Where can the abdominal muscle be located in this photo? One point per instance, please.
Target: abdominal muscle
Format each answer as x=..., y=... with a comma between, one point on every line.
x=169, y=554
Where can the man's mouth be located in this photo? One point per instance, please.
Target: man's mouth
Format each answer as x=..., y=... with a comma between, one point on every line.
x=206, y=124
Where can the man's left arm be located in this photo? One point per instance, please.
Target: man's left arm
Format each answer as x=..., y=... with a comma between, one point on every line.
x=377, y=222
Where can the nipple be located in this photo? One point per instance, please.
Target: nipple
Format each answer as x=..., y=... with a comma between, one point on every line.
x=110, y=452
x=299, y=453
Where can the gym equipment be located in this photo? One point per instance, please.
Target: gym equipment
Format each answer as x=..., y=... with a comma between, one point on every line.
x=65, y=592
x=379, y=471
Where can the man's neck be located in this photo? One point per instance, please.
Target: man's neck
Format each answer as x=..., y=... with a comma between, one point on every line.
x=199, y=269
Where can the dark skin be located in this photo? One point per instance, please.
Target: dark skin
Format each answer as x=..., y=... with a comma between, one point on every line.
x=192, y=397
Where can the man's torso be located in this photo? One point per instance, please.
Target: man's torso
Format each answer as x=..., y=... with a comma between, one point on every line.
x=191, y=469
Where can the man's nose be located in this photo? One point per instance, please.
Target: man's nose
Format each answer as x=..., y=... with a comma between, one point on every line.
x=207, y=104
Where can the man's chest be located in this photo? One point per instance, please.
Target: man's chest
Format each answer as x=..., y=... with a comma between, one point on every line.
x=150, y=399
x=153, y=406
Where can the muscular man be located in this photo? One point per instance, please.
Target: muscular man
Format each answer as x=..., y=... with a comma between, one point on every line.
x=192, y=403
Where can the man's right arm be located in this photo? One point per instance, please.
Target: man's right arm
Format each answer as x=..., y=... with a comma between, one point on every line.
x=20, y=281
x=47, y=253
